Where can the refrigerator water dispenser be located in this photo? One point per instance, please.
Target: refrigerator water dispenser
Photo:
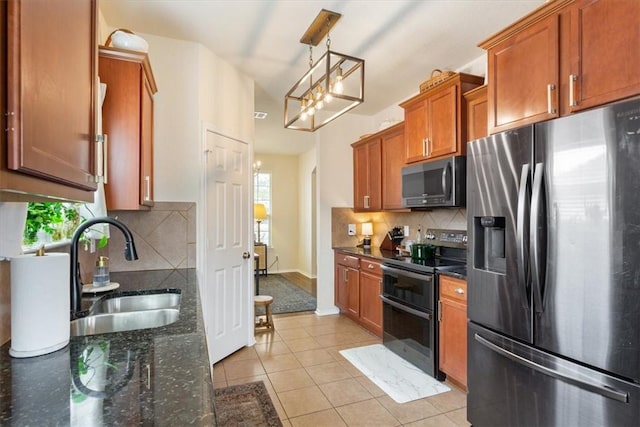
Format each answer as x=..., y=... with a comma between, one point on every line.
x=489, y=244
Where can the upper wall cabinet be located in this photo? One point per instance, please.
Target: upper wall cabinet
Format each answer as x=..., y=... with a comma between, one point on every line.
x=367, y=174
x=47, y=87
x=393, y=149
x=564, y=57
x=476, y=113
x=435, y=120
x=127, y=122
x=377, y=166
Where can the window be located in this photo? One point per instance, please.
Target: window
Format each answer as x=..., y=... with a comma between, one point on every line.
x=262, y=194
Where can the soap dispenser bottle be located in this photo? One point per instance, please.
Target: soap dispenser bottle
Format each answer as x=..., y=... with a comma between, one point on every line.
x=101, y=273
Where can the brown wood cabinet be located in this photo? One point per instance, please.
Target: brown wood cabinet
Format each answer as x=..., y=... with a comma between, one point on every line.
x=435, y=120
x=564, y=57
x=452, y=318
x=48, y=88
x=367, y=175
x=358, y=282
x=377, y=170
x=605, y=57
x=476, y=113
x=393, y=149
x=370, y=290
x=128, y=123
x=347, y=286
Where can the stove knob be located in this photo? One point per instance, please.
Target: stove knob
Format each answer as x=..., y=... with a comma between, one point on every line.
x=464, y=239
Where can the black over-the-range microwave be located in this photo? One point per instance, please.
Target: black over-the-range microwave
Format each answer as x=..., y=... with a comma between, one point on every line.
x=435, y=183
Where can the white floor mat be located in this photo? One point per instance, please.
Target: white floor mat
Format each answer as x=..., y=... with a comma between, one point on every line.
x=401, y=380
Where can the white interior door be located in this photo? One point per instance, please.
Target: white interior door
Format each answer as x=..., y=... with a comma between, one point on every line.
x=226, y=291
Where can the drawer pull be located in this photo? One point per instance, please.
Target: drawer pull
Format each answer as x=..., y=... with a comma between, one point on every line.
x=371, y=266
x=459, y=291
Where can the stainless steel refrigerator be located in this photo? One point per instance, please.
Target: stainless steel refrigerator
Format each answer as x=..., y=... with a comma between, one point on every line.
x=554, y=272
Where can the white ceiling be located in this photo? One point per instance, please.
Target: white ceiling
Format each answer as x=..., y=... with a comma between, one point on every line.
x=401, y=41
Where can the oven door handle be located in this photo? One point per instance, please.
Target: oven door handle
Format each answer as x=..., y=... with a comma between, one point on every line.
x=404, y=308
x=396, y=272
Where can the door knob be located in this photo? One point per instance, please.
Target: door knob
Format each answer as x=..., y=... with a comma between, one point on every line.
x=246, y=255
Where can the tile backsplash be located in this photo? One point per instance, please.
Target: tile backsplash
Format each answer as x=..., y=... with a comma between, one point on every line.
x=383, y=222
x=165, y=238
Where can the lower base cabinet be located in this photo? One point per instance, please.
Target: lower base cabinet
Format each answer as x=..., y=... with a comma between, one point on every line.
x=358, y=284
x=452, y=318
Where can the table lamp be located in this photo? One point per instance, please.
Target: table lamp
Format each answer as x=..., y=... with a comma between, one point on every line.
x=259, y=214
x=367, y=232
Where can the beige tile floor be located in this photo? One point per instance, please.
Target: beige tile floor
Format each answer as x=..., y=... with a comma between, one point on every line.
x=311, y=384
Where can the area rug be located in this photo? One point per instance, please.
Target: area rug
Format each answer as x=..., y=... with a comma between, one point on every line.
x=400, y=379
x=245, y=405
x=287, y=297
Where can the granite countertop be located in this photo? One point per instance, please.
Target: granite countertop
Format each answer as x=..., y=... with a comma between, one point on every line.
x=382, y=254
x=158, y=376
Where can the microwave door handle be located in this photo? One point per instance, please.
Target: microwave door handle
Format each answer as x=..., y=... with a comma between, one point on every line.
x=446, y=181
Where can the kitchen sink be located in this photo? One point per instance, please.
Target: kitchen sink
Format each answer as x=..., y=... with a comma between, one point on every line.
x=105, y=323
x=125, y=302
x=129, y=311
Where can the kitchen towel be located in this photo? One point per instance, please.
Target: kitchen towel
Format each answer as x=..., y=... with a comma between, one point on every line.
x=40, y=304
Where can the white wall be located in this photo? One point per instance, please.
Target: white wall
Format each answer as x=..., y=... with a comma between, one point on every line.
x=226, y=97
x=177, y=119
x=306, y=253
x=335, y=188
x=284, y=216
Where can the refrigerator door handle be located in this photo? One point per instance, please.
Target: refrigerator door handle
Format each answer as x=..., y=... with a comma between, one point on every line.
x=601, y=389
x=521, y=224
x=537, y=275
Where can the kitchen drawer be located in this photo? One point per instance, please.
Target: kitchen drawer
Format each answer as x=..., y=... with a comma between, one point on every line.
x=371, y=266
x=453, y=288
x=348, y=260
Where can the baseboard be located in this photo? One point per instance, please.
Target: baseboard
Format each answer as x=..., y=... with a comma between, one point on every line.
x=327, y=311
x=308, y=276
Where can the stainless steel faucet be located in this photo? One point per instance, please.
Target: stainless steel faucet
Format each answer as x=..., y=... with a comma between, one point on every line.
x=129, y=254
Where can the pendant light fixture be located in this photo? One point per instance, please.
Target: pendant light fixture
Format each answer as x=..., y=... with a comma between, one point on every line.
x=332, y=86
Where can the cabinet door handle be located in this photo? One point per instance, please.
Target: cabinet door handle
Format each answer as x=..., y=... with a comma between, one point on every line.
x=345, y=276
x=424, y=147
x=550, y=88
x=439, y=311
x=429, y=149
x=366, y=202
x=148, y=369
x=147, y=188
x=105, y=154
x=572, y=96
x=459, y=291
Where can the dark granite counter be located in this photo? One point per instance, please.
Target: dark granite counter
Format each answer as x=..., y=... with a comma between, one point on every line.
x=383, y=254
x=158, y=376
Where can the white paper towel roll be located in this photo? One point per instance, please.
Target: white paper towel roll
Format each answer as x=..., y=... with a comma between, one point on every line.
x=40, y=304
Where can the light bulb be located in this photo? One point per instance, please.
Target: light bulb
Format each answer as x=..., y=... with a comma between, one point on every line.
x=328, y=97
x=338, y=87
x=310, y=107
x=303, y=116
